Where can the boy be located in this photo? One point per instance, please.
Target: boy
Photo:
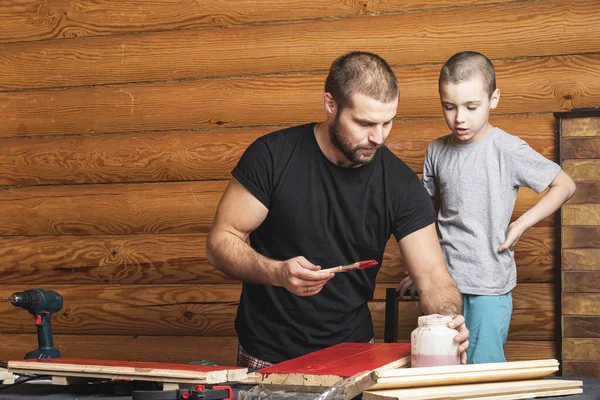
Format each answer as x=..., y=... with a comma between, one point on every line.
x=473, y=175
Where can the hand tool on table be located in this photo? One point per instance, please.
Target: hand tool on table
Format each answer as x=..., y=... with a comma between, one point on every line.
x=353, y=266
x=198, y=392
x=41, y=304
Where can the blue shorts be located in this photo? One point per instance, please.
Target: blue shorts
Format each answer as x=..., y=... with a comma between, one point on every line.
x=488, y=319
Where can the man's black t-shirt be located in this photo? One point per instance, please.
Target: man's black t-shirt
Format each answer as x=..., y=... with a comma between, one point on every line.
x=331, y=215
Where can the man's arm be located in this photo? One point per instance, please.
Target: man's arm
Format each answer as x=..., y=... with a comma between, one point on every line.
x=437, y=290
x=425, y=263
x=561, y=190
x=238, y=214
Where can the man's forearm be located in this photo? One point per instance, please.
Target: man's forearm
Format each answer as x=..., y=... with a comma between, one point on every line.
x=234, y=257
x=443, y=298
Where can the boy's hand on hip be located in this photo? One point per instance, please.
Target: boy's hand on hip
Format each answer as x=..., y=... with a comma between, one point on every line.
x=513, y=234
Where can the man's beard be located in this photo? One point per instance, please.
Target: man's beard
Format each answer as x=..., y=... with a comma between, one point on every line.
x=351, y=153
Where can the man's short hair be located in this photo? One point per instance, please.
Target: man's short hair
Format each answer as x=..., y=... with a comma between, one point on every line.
x=361, y=72
x=467, y=65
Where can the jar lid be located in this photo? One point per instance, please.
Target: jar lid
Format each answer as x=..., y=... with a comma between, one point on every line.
x=434, y=319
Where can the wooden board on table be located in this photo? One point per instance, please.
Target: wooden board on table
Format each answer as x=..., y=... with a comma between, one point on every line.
x=498, y=390
x=147, y=371
x=323, y=368
x=462, y=374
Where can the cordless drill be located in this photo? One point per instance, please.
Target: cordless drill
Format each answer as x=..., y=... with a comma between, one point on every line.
x=41, y=304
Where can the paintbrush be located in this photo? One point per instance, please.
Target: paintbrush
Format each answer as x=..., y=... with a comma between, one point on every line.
x=350, y=267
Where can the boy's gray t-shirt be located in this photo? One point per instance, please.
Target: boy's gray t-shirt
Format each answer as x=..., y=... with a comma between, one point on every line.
x=477, y=184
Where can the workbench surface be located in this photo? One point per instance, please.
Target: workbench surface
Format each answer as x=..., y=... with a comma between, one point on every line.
x=105, y=391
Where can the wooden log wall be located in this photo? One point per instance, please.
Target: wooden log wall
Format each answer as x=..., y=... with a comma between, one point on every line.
x=121, y=121
x=580, y=294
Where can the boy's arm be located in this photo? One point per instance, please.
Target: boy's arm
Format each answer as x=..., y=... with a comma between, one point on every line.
x=561, y=190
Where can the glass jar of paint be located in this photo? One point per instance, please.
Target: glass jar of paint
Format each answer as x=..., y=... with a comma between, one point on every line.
x=432, y=343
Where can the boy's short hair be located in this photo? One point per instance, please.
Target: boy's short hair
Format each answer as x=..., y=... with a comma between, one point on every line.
x=361, y=72
x=467, y=65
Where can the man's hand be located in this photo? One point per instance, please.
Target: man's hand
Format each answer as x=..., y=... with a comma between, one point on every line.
x=458, y=323
x=406, y=287
x=301, y=277
x=513, y=234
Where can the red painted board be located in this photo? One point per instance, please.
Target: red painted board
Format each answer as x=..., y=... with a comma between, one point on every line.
x=131, y=364
x=344, y=360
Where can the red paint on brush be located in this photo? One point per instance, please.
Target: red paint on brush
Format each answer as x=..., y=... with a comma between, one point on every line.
x=367, y=264
x=353, y=266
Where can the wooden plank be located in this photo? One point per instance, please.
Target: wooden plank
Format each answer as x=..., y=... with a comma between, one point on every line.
x=581, y=148
x=233, y=102
x=581, y=304
x=581, y=282
x=581, y=260
x=93, y=259
x=529, y=350
x=536, y=296
x=581, y=214
x=588, y=170
x=526, y=324
x=581, y=349
x=578, y=237
x=208, y=310
x=476, y=390
x=462, y=374
x=327, y=366
x=221, y=350
x=587, y=192
x=154, y=208
x=581, y=327
x=181, y=258
x=581, y=368
x=586, y=126
x=40, y=20
x=178, y=207
x=201, y=155
x=136, y=370
x=291, y=47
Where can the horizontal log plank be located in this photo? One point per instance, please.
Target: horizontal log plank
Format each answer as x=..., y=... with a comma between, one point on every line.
x=291, y=47
x=584, y=126
x=581, y=349
x=581, y=260
x=581, y=304
x=581, y=327
x=221, y=350
x=582, y=170
x=574, y=148
x=581, y=368
x=581, y=282
x=579, y=237
x=586, y=192
x=180, y=207
x=125, y=209
x=203, y=155
x=581, y=214
x=172, y=259
x=552, y=84
x=40, y=20
x=209, y=310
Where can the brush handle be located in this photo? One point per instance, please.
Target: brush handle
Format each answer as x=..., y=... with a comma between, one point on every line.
x=343, y=268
